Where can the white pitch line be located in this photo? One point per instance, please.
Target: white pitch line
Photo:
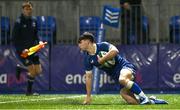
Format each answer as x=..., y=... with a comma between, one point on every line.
x=33, y=100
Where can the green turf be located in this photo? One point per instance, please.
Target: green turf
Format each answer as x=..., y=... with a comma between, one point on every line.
x=75, y=102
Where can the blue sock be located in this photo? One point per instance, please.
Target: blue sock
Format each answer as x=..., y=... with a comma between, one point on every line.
x=134, y=87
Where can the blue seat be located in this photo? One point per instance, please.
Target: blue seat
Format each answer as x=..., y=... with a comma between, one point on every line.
x=174, y=27
x=145, y=24
x=132, y=38
x=47, y=28
x=5, y=30
x=90, y=24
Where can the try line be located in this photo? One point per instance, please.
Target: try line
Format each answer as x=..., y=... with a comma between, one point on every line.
x=44, y=99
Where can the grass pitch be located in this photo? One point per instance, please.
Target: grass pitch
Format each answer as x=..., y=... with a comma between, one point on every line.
x=106, y=101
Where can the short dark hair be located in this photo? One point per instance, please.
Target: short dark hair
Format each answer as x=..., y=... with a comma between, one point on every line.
x=86, y=35
x=27, y=3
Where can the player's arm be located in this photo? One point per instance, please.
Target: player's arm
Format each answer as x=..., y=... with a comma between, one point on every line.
x=36, y=37
x=15, y=36
x=32, y=50
x=113, y=51
x=88, y=87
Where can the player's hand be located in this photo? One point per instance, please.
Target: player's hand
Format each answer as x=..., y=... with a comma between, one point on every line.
x=87, y=100
x=42, y=43
x=25, y=51
x=100, y=60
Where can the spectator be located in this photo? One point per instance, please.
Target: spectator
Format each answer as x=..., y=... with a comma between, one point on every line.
x=131, y=21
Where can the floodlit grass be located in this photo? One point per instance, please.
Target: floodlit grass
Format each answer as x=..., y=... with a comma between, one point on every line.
x=106, y=101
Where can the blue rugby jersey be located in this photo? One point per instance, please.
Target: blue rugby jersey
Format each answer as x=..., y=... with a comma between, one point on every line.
x=114, y=70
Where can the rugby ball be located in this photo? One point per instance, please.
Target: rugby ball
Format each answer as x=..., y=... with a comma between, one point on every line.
x=108, y=63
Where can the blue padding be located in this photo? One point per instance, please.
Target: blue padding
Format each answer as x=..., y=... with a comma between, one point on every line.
x=5, y=23
x=46, y=28
x=90, y=21
x=46, y=23
x=175, y=22
x=176, y=36
x=5, y=30
x=145, y=31
x=174, y=26
x=145, y=23
x=90, y=24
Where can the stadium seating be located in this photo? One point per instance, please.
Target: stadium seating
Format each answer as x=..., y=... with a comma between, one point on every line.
x=5, y=30
x=90, y=24
x=145, y=32
x=174, y=27
x=145, y=24
x=145, y=29
x=47, y=28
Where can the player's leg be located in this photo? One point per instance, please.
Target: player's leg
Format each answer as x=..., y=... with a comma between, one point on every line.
x=30, y=78
x=38, y=69
x=37, y=65
x=19, y=69
x=128, y=96
x=34, y=70
x=21, y=66
x=28, y=66
x=126, y=79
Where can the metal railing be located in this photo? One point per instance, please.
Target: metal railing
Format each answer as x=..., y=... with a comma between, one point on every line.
x=154, y=18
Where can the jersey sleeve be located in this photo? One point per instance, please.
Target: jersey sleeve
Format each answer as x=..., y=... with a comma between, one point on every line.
x=105, y=46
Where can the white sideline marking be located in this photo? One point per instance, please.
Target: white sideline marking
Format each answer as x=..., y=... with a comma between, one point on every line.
x=34, y=100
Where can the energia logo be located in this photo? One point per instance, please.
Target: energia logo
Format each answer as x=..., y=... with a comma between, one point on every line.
x=9, y=79
x=80, y=79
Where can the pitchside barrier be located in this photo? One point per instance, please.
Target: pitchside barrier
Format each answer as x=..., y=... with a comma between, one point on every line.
x=158, y=69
